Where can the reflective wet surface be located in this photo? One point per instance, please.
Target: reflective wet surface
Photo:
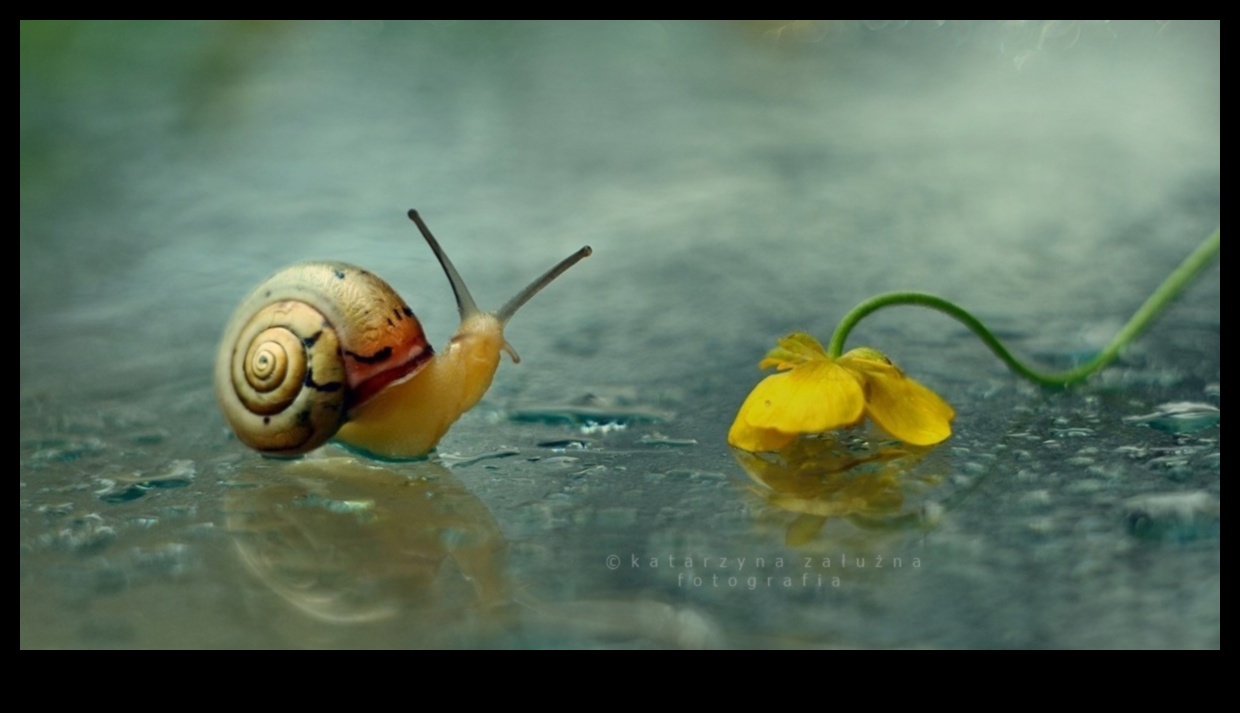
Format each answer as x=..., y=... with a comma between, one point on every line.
x=737, y=182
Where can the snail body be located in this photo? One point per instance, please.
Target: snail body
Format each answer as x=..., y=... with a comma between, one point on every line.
x=323, y=350
x=455, y=380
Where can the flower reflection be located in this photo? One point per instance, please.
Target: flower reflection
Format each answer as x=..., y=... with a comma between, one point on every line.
x=871, y=483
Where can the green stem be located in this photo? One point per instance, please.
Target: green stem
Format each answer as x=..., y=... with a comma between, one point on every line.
x=1157, y=302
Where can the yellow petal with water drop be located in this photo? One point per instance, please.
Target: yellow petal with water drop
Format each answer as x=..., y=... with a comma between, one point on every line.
x=793, y=350
x=906, y=409
x=814, y=397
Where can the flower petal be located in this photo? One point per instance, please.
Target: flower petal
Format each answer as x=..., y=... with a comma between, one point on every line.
x=757, y=440
x=906, y=409
x=814, y=397
x=793, y=350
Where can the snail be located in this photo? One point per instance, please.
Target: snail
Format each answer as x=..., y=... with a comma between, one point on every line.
x=325, y=349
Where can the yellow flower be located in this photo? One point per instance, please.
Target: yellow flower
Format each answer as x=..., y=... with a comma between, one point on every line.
x=814, y=393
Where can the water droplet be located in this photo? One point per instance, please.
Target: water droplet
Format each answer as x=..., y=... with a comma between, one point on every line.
x=114, y=492
x=148, y=438
x=64, y=450
x=1169, y=461
x=361, y=508
x=593, y=427
x=561, y=461
x=1036, y=498
x=932, y=512
x=1109, y=472
x=1179, y=417
x=579, y=415
x=55, y=510
x=1085, y=485
x=565, y=443
x=1024, y=436
x=697, y=474
x=1076, y=432
x=170, y=560
x=658, y=439
x=176, y=474
x=85, y=535
x=1040, y=525
x=456, y=460
x=179, y=512
x=1173, y=516
x=126, y=487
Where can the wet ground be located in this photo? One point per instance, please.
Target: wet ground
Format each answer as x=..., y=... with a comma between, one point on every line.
x=737, y=182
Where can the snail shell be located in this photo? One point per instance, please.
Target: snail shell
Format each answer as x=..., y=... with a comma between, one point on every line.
x=320, y=344
x=310, y=344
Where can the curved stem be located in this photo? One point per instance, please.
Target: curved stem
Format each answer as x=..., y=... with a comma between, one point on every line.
x=1175, y=283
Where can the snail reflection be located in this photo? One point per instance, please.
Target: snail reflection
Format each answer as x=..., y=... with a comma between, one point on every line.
x=402, y=559
x=351, y=553
x=871, y=483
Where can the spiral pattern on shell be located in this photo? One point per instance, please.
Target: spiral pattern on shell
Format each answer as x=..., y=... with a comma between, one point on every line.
x=312, y=342
x=288, y=380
